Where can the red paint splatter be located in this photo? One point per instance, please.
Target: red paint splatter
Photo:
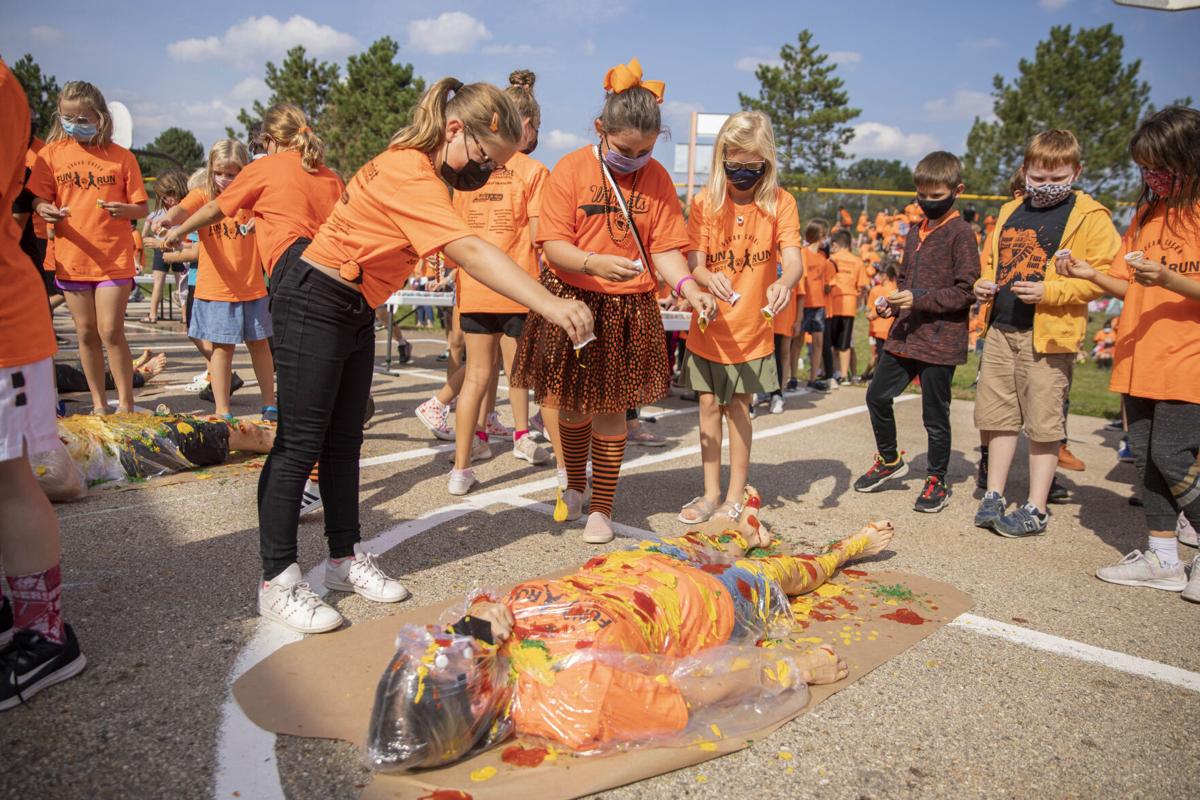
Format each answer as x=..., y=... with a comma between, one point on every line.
x=905, y=617
x=744, y=590
x=595, y=562
x=583, y=645
x=811, y=569
x=645, y=604
x=819, y=617
x=858, y=573
x=845, y=603
x=714, y=569
x=446, y=794
x=522, y=757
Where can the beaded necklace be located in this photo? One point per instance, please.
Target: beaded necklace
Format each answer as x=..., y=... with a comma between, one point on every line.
x=608, y=209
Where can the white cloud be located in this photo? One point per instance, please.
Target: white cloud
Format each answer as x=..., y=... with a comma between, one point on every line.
x=451, y=32
x=247, y=90
x=44, y=34
x=751, y=63
x=1053, y=5
x=876, y=140
x=987, y=43
x=259, y=38
x=588, y=48
x=516, y=50
x=561, y=140
x=966, y=104
x=846, y=58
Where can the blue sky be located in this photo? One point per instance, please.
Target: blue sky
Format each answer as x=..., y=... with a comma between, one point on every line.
x=920, y=71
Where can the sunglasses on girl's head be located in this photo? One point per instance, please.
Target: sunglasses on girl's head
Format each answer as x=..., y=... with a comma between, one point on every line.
x=753, y=165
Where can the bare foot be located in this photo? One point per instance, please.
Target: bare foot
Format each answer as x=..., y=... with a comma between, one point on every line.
x=879, y=536
x=749, y=525
x=149, y=366
x=142, y=359
x=823, y=665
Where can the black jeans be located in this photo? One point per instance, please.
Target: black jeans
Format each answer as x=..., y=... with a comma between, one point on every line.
x=324, y=356
x=892, y=376
x=1164, y=436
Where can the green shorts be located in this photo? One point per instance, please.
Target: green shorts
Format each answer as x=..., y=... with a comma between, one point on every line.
x=726, y=380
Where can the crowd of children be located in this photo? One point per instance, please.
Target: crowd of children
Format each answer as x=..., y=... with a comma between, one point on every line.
x=559, y=276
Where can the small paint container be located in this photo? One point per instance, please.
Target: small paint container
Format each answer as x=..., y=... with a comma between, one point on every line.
x=767, y=313
x=637, y=264
x=585, y=342
x=880, y=304
x=1136, y=255
x=99, y=203
x=733, y=298
x=1063, y=254
x=702, y=322
x=244, y=230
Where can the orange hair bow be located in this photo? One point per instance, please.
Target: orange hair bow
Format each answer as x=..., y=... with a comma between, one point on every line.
x=626, y=76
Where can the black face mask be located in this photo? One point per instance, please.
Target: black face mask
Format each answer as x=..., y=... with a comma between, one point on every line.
x=473, y=175
x=744, y=178
x=532, y=146
x=936, y=209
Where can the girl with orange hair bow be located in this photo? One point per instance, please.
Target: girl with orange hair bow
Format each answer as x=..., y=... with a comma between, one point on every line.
x=595, y=255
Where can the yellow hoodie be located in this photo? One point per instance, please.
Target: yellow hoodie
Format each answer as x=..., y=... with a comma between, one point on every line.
x=1060, y=319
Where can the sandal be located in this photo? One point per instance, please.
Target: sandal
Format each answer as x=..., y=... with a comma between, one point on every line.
x=701, y=510
x=270, y=414
x=146, y=319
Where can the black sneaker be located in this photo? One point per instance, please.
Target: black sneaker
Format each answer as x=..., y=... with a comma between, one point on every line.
x=6, y=622
x=235, y=383
x=981, y=473
x=1058, y=493
x=879, y=472
x=820, y=386
x=444, y=356
x=33, y=663
x=1023, y=521
x=934, y=496
x=792, y=385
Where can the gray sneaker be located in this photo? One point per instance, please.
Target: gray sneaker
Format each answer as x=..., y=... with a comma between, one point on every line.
x=1191, y=592
x=1185, y=532
x=1024, y=521
x=1144, y=569
x=990, y=510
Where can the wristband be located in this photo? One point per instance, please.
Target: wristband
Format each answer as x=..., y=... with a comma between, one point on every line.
x=585, y=260
x=679, y=286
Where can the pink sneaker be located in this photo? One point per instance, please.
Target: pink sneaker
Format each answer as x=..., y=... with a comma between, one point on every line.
x=435, y=416
x=495, y=429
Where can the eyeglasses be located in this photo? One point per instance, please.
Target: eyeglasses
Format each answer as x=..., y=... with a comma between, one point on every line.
x=751, y=165
x=488, y=164
x=80, y=120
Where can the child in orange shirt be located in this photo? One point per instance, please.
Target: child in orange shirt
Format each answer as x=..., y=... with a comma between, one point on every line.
x=818, y=283
x=849, y=285
x=880, y=326
x=738, y=223
x=596, y=257
x=89, y=188
x=395, y=211
x=504, y=213
x=230, y=305
x=1156, y=364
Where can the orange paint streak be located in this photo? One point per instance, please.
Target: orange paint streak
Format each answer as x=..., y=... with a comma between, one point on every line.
x=522, y=757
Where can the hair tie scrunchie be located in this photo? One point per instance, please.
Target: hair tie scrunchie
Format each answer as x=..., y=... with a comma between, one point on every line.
x=304, y=129
x=624, y=77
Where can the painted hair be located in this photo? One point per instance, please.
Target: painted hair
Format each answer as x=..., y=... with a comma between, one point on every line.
x=93, y=99
x=481, y=107
x=287, y=125
x=751, y=132
x=173, y=182
x=1169, y=140
x=635, y=109
x=223, y=151
x=520, y=91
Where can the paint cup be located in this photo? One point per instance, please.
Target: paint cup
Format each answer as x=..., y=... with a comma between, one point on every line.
x=637, y=264
x=733, y=298
x=591, y=338
x=767, y=313
x=99, y=203
x=702, y=322
x=1136, y=255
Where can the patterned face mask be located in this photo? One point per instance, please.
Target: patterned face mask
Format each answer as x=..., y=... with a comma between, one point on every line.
x=1048, y=194
x=1160, y=181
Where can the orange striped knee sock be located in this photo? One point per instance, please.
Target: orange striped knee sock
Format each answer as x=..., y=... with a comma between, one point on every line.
x=607, y=452
x=315, y=474
x=574, y=441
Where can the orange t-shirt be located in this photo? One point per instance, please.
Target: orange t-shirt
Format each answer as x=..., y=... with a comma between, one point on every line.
x=35, y=147
x=26, y=334
x=744, y=243
x=861, y=225
x=880, y=326
x=287, y=202
x=851, y=278
x=89, y=245
x=229, y=269
x=395, y=211
x=844, y=218
x=1157, y=355
x=784, y=322
x=578, y=207
x=139, y=251
x=914, y=213
x=818, y=273
x=499, y=213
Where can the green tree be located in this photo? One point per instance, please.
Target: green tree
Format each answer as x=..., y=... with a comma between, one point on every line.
x=178, y=143
x=1078, y=80
x=375, y=100
x=877, y=173
x=42, y=91
x=807, y=107
x=304, y=82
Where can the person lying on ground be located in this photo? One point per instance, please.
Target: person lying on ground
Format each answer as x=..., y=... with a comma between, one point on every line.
x=69, y=378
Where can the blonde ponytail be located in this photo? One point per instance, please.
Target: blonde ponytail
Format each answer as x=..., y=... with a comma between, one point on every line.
x=483, y=108
x=287, y=125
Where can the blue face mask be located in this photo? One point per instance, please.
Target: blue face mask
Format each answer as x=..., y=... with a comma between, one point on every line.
x=81, y=132
x=623, y=164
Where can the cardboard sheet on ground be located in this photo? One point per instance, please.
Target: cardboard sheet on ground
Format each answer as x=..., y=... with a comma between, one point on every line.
x=323, y=687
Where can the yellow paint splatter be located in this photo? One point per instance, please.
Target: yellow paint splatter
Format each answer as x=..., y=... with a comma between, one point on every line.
x=184, y=428
x=811, y=639
x=41, y=471
x=716, y=731
x=708, y=746
x=791, y=770
x=784, y=755
x=662, y=680
x=483, y=774
x=701, y=779
x=829, y=590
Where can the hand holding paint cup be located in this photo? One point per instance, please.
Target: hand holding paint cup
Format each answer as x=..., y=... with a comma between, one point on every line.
x=1062, y=262
x=985, y=290
x=768, y=313
x=1070, y=267
x=733, y=298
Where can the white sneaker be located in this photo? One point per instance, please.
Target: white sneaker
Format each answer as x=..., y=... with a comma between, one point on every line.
x=1185, y=533
x=198, y=384
x=461, y=481
x=1144, y=569
x=598, y=529
x=1191, y=592
x=495, y=429
x=777, y=404
x=310, y=500
x=288, y=600
x=527, y=449
x=362, y=575
x=436, y=417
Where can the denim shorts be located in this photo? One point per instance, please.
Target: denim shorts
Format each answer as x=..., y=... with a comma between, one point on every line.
x=220, y=322
x=813, y=320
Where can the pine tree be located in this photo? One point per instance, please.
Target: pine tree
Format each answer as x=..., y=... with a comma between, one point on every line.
x=303, y=82
x=42, y=91
x=807, y=107
x=375, y=100
x=179, y=144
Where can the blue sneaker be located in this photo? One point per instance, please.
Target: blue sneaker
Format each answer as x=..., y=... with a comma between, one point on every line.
x=1022, y=522
x=1124, y=453
x=990, y=509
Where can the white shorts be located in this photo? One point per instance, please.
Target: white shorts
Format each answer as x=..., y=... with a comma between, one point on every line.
x=27, y=410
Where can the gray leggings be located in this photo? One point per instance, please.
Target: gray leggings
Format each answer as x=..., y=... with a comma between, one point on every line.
x=1164, y=436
